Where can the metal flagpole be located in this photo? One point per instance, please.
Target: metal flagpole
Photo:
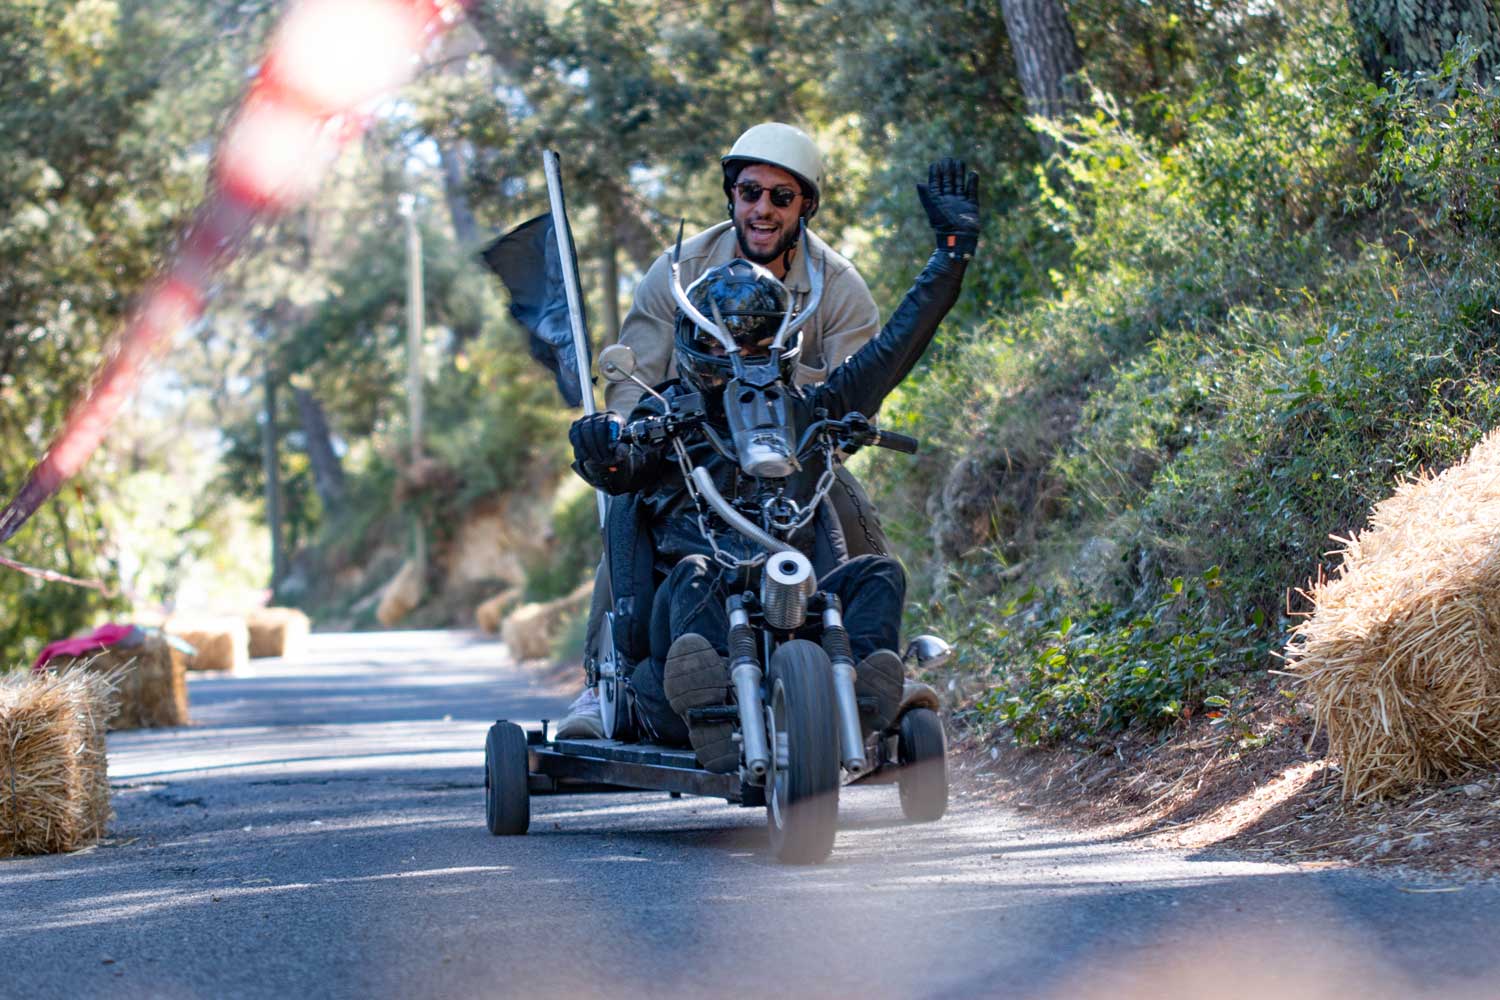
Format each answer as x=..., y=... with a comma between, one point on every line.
x=552, y=166
x=610, y=686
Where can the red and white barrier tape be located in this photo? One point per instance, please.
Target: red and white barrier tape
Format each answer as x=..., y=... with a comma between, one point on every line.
x=330, y=60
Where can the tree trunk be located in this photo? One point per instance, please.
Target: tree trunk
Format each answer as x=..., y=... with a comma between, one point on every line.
x=328, y=471
x=1406, y=37
x=609, y=277
x=272, y=466
x=1047, y=56
x=464, y=227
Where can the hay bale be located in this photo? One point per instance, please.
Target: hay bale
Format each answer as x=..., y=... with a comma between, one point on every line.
x=150, y=683
x=54, y=786
x=221, y=643
x=183, y=654
x=491, y=613
x=530, y=629
x=1401, y=656
x=403, y=593
x=277, y=632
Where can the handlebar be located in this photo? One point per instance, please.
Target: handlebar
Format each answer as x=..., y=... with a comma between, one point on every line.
x=654, y=430
x=895, y=442
x=854, y=431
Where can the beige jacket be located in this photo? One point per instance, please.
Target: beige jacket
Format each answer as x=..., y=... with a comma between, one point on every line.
x=846, y=317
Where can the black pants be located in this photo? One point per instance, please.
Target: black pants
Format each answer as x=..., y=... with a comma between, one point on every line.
x=871, y=588
x=858, y=519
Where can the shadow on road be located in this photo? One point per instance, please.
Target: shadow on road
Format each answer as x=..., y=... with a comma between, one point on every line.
x=342, y=852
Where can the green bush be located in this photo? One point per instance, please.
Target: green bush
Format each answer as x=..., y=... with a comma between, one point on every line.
x=1114, y=668
x=1274, y=308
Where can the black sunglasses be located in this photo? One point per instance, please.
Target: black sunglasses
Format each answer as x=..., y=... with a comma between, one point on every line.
x=750, y=192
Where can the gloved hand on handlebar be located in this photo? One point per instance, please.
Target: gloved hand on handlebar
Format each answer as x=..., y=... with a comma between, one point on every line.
x=952, y=204
x=597, y=449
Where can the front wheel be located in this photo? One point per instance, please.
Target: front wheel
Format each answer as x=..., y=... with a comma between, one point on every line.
x=507, y=797
x=613, y=715
x=923, y=777
x=802, y=807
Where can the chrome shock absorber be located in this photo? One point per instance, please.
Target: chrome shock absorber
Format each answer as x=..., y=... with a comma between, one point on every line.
x=836, y=645
x=744, y=672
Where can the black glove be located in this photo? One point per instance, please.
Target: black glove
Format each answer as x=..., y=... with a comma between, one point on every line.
x=952, y=205
x=596, y=444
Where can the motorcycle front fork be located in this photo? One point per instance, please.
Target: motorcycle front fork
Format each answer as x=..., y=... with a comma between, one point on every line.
x=746, y=675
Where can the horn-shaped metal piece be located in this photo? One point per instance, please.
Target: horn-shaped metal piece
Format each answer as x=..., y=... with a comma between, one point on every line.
x=789, y=325
x=688, y=309
x=736, y=357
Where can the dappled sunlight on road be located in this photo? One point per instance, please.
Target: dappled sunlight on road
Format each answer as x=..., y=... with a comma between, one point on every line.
x=357, y=848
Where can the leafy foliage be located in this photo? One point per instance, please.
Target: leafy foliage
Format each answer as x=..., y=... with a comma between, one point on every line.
x=93, y=183
x=1275, y=303
x=1244, y=293
x=1121, y=667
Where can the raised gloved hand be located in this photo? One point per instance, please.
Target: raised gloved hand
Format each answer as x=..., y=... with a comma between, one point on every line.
x=952, y=204
x=597, y=450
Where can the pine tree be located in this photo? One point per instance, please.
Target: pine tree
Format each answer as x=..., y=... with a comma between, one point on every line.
x=1408, y=36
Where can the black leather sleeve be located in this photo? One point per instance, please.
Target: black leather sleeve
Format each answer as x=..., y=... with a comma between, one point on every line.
x=862, y=382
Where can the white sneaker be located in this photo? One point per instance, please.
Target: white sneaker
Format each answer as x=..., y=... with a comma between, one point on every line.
x=584, y=720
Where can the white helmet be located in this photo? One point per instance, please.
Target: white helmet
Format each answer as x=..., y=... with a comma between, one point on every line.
x=779, y=145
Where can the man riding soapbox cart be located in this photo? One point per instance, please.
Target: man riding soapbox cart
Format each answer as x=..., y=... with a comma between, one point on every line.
x=719, y=524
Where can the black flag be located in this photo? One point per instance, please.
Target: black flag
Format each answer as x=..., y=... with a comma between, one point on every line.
x=527, y=262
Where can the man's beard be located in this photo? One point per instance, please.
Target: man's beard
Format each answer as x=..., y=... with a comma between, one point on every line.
x=788, y=240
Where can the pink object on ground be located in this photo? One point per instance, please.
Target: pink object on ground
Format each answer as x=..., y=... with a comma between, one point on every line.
x=100, y=638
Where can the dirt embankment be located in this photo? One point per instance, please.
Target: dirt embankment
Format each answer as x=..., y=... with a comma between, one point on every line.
x=1259, y=782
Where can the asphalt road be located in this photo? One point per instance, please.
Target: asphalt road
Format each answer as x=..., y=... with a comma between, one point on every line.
x=319, y=831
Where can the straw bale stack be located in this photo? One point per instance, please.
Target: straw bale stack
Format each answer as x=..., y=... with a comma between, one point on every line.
x=1401, y=655
x=277, y=632
x=491, y=613
x=150, y=683
x=530, y=628
x=222, y=644
x=401, y=595
x=54, y=787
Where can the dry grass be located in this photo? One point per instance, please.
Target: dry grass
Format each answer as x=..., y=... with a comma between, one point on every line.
x=1264, y=786
x=222, y=643
x=150, y=682
x=401, y=595
x=489, y=615
x=54, y=785
x=277, y=632
x=1401, y=657
x=531, y=628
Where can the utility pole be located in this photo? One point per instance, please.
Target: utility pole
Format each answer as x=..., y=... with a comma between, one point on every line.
x=272, y=467
x=414, y=323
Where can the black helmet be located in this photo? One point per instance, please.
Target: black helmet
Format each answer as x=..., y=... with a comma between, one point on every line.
x=747, y=303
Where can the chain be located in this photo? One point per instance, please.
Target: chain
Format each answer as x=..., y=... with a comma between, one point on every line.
x=724, y=559
x=785, y=526
x=864, y=524
x=825, y=483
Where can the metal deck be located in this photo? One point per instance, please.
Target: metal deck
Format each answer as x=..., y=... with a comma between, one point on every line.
x=566, y=766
